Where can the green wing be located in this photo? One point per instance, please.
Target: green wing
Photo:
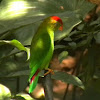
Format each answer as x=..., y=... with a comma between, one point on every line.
x=40, y=52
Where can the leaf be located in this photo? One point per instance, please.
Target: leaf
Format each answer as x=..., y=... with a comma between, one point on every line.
x=24, y=96
x=90, y=66
x=97, y=37
x=67, y=78
x=67, y=27
x=72, y=44
x=62, y=56
x=18, y=73
x=18, y=45
x=5, y=93
x=68, y=39
x=59, y=46
x=23, y=20
x=12, y=65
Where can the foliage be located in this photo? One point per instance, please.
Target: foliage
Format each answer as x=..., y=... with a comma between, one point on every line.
x=64, y=77
x=18, y=25
x=5, y=93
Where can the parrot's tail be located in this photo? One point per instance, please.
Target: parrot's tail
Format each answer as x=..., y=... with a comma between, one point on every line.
x=33, y=81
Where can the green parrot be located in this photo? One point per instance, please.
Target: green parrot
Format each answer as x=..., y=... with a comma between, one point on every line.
x=42, y=47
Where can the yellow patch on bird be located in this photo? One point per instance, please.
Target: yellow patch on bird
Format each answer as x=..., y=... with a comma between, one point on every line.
x=53, y=21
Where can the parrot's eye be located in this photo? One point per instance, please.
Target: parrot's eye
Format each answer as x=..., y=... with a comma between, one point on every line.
x=57, y=25
x=56, y=22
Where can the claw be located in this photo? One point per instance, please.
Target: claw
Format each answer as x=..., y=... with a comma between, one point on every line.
x=49, y=71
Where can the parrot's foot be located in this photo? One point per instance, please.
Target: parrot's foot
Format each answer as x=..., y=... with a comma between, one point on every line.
x=49, y=71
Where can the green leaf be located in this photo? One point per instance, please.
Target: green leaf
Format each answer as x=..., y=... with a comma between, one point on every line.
x=67, y=78
x=72, y=44
x=5, y=93
x=12, y=65
x=18, y=45
x=68, y=39
x=18, y=73
x=69, y=23
x=8, y=64
x=62, y=56
x=97, y=37
x=90, y=66
x=24, y=19
x=59, y=46
x=24, y=96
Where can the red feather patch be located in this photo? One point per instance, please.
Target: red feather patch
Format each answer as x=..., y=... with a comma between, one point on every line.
x=59, y=20
x=34, y=76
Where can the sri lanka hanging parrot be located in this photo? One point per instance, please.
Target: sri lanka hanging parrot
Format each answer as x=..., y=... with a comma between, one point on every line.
x=42, y=47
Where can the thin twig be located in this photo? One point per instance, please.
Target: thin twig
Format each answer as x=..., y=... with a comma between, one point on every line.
x=77, y=70
x=66, y=92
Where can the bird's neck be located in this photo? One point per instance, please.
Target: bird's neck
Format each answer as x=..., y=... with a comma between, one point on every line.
x=51, y=34
x=49, y=31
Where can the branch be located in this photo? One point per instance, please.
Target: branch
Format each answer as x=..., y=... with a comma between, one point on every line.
x=48, y=87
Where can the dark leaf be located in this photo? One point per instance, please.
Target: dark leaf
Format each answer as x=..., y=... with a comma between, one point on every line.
x=62, y=56
x=67, y=78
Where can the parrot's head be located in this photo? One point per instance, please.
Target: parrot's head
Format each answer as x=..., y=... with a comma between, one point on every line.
x=54, y=23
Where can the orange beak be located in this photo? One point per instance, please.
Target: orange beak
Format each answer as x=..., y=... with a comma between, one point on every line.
x=60, y=28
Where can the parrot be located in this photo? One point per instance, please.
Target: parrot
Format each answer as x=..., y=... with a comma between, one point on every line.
x=42, y=47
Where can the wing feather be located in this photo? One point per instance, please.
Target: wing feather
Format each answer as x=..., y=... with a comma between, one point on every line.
x=40, y=52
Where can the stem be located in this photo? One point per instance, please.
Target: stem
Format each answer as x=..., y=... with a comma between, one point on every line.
x=74, y=93
x=77, y=70
x=65, y=95
x=17, y=82
x=48, y=87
